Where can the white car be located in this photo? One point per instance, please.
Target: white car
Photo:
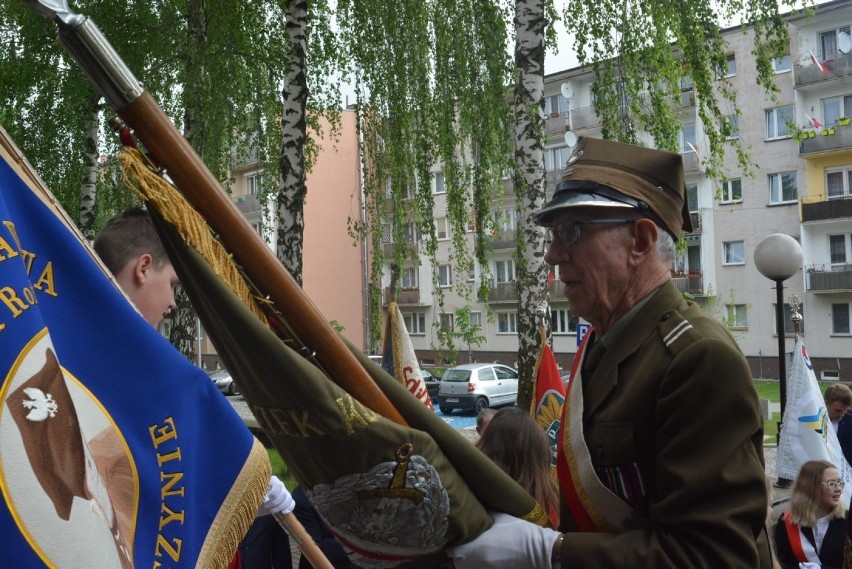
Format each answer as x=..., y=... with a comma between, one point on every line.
x=477, y=387
x=223, y=380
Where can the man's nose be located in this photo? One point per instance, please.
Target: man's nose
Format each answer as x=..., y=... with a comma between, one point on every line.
x=554, y=252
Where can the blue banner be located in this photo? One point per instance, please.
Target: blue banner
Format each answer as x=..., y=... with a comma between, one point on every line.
x=115, y=451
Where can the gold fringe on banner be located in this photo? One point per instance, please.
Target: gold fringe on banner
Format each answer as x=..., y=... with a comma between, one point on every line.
x=173, y=207
x=237, y=514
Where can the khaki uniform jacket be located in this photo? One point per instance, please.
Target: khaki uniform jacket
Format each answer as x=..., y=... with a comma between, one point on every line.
x=672, y=402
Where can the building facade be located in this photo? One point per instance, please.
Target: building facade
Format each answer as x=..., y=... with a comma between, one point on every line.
x=800, y=184
x=334, y=269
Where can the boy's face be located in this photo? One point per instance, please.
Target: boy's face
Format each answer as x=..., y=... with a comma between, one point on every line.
x=151, y=289
x=156, y=296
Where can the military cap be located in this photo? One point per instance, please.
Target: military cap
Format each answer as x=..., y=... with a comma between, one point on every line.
x=604, y=173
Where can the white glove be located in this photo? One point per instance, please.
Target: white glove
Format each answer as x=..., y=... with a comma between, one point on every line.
x=510, y=543
x=277, y=499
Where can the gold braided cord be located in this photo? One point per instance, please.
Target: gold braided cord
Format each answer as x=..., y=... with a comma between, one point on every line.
x=173, y=207
x=238, y=511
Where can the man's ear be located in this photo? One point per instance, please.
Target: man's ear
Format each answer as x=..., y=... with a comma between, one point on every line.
x=646, y=232
x=142, y=267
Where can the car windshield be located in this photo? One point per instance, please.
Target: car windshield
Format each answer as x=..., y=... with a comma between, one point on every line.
x=456, y=375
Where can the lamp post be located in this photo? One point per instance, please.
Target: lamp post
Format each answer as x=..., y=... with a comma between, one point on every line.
x=778, y=257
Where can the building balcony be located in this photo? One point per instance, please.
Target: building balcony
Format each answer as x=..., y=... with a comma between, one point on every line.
x=686, y=100
x=503, y=239
x=412, y=250
x=405, y=297
x=690, y=283
x=820, y=207
x=695, y=218
x=247, y=204
x=556, y=290
x=501, y=293
x=584, y=117
x=556, y=123
x=839, y=139
x=837, y=278
x=690, y=161
x=834, y=67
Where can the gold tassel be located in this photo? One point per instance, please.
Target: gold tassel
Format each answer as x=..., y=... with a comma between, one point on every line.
x=168, y=201
x=237, y=512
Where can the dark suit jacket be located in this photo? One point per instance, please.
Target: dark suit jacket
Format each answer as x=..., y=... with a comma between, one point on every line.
x=317, y=529
x=672, y=404
x=844, y=436
x=830, y=554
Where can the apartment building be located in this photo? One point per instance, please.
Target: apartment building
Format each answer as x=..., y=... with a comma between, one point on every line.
x=799, y=184
x=333, y=275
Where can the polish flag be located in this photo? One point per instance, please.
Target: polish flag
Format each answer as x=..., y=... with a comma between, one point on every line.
x=817, y=63
x=814, y=123
x=697, y=155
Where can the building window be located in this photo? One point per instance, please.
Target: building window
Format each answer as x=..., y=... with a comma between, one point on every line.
x=562, y=321
x=258, y=227
x=828, y=43
x=412, y=233
x=409, y=277
x=471, y=275
x=438, y=186
x=504, y=271
x=782, y=187
x=734, y=253
x=836, y=107
x=782, y=63
x=838, y=182
x=506, y=219
x=447, y=321
x=555, y=104
x=692, y=197
x=688, y=262
x=731, y=191
x=415, y=322
x=476, y=319
x=840, y=319
x=555, y=158
x=737, y=315
x=253, y=184
x=730, y=127
x=730, y=68
x=788, y=321
x=686, y=137
x=445, y=276
x=838, y=251
x=507, y=322
x=442, y=228
x=777, y=120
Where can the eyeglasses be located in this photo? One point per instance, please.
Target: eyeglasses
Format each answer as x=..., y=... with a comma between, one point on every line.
x=834, y=484
x=568, y=232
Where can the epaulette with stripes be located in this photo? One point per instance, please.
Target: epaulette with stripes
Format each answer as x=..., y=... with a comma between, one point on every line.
x=676, y=331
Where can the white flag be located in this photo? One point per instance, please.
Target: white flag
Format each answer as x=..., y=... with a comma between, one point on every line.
x=806, y=433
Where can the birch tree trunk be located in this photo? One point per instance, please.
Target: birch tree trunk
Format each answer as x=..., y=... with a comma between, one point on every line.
x=291, y=197
x=89, y=183
x=529, y=181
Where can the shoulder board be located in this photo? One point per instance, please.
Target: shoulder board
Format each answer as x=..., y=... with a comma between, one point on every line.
x=676, y=331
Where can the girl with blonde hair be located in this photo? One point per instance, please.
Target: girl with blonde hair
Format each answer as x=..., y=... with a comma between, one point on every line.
x=813, y=531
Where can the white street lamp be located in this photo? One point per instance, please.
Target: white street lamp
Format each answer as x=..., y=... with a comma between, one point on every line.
x=779, y=257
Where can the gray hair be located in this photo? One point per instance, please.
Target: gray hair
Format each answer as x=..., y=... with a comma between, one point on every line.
x=665, y=245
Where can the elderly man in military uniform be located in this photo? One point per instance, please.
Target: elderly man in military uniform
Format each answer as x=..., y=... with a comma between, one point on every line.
x=660, y=458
